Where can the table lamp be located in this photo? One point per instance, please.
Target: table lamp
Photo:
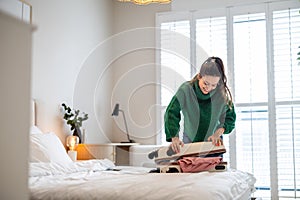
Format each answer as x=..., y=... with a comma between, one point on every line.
x=116, y=113
x=72, y=142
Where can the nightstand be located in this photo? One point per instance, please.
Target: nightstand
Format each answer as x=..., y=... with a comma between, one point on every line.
x=116, y=152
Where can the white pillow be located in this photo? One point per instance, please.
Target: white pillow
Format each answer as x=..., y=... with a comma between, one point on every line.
x=35, y=130
x=47, y=147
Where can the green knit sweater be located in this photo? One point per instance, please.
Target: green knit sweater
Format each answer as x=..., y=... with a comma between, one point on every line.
x=202, y=113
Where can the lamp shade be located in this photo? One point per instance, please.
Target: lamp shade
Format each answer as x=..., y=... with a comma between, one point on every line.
x=72, y=142
x=116, y=110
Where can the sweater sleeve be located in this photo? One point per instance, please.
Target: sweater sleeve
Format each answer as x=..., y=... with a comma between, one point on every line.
x=228, y=122
x=172, y=118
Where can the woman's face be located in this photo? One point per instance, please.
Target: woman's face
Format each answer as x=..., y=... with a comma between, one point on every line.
x=208, y=83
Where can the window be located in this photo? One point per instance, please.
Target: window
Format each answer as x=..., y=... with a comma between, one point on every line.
x=286, y=31
x=251, y=96
x=259, y=46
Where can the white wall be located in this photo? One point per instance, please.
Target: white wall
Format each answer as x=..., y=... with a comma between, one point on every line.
x=67, y=32
x=134, y=70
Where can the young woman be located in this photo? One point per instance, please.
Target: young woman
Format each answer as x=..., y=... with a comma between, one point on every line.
x=206, y=105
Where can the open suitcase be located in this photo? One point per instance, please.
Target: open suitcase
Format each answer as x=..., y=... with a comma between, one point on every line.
x=166, y=159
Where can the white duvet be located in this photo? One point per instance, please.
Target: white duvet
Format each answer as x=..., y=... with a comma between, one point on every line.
x=91, y=180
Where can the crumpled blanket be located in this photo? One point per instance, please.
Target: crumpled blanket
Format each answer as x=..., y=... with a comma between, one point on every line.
x=198, y=164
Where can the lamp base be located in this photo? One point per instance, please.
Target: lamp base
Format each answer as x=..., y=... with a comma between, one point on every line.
x=73, y=155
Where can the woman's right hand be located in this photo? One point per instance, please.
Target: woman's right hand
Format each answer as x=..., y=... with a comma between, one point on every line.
x=176, y=144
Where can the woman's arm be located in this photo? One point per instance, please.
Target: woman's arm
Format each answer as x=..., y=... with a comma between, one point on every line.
x=172, y=118
x=227, y=124
x=230, y=119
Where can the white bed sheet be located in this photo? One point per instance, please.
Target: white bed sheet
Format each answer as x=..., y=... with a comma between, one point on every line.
x=90, y=180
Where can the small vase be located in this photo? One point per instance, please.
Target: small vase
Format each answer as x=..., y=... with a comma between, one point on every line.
x=77, y=132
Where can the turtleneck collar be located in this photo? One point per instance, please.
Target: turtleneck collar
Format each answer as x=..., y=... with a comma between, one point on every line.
x=200, y=94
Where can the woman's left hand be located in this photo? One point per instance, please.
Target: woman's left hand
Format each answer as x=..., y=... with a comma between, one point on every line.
x=216, y=137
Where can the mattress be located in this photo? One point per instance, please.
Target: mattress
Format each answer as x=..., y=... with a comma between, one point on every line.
x=101, y=179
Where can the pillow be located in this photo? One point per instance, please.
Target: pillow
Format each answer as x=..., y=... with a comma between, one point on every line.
x=47, y=147
x=35, y=130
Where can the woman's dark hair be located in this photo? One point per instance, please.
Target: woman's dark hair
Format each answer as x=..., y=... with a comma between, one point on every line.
x=214, y=66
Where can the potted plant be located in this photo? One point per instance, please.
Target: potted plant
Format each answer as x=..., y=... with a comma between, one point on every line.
x=74, y=118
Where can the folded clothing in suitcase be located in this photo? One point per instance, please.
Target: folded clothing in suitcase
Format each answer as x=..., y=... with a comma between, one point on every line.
x=177, y=168
x=165, y=155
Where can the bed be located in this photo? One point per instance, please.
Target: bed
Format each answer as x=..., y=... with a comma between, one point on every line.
x=53, y=175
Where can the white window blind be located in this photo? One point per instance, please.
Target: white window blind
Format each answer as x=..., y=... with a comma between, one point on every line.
x=211, y=36
x=286, y=34
x=250, y=61
x=251, y=96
